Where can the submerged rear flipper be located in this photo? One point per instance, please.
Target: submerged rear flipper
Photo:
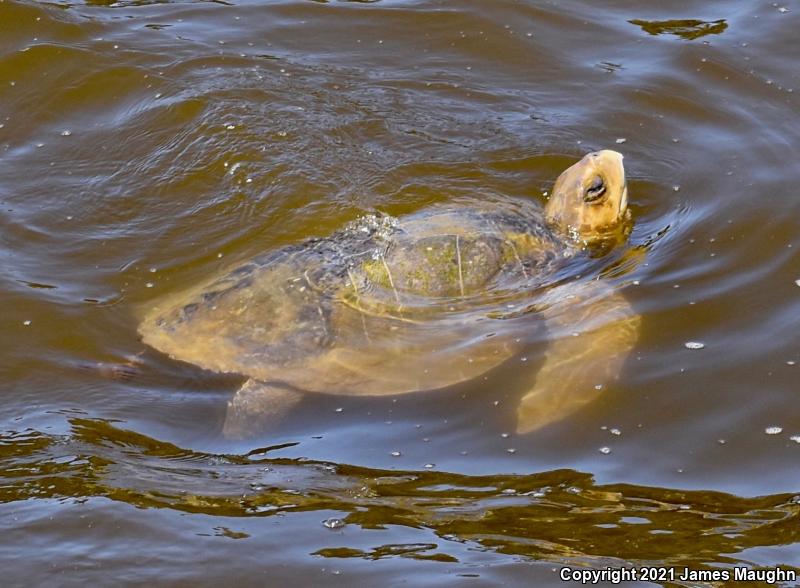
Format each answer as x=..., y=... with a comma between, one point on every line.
x=592, y=331
x=255, y=407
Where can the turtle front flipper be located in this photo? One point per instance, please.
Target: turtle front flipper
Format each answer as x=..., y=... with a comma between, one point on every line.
x=592, y=330
x=256, y=406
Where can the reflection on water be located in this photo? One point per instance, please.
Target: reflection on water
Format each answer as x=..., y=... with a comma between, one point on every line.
x=686, y=29
x=146, y=147
x=563, y=517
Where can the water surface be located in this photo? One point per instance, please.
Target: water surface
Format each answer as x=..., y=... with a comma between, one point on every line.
x=145, y=146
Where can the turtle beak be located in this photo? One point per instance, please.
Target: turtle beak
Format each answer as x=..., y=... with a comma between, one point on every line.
x=623, y=201
x=623, y=197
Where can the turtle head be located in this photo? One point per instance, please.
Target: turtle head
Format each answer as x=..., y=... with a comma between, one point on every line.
x=590, y=199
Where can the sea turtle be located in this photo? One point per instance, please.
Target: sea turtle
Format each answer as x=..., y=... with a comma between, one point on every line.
x=391, y=305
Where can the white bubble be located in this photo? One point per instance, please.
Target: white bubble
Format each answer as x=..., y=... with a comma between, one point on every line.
x=773, y=430
x=605, y=450
x=333, y=523
x=621, y=140
x=694, y=345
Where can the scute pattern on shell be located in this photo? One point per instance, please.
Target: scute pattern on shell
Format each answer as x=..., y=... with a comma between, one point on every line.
x=327, y=314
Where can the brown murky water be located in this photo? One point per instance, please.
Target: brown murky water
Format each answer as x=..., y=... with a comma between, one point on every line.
x=147, y=145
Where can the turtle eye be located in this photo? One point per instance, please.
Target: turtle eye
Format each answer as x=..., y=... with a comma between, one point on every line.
x=596, y=189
